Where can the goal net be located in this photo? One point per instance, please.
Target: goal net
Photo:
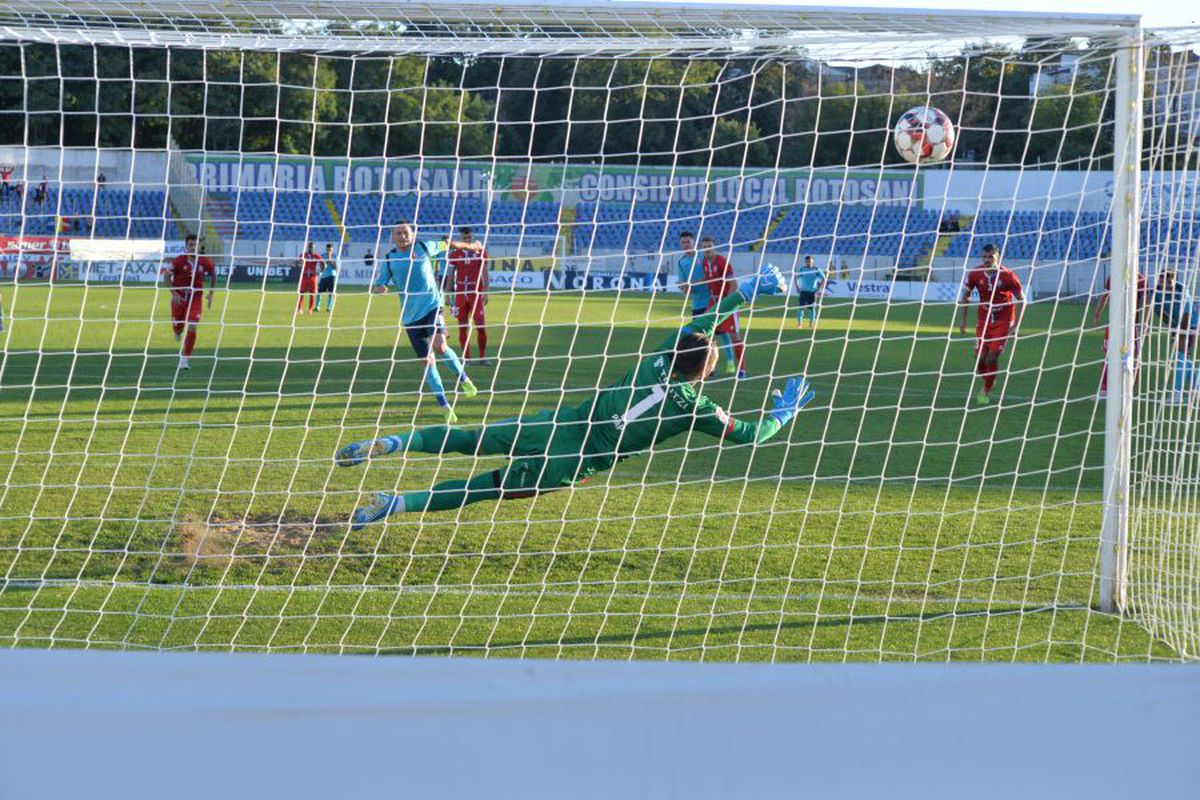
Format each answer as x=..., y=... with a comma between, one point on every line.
x=167, y=439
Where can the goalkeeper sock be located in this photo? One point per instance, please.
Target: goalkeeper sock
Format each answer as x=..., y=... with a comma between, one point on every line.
x=435, y=439
x=433, y=379
x=452, y=494
x=451, y=358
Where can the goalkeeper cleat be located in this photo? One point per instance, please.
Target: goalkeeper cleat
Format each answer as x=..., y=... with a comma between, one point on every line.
x=354, y=454
x=982, y=398
x=466, y=388
x=729, y=368
x=381, y=506
x=451, y=417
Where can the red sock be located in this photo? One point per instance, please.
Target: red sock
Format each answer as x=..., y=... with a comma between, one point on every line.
x=1104, y=377
x=189, y=342
x=463, y=331
x=178, y=326
x=482, y=341
x=312, y=298
x=989, y=377
x=300, y=302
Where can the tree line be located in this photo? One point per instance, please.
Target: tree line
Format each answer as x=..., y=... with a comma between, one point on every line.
x=760, y=112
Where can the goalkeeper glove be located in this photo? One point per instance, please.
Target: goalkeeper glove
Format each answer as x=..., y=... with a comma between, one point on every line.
x=769, y=280
x=796, y=395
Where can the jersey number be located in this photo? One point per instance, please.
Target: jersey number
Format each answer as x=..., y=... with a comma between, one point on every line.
x=656, y=396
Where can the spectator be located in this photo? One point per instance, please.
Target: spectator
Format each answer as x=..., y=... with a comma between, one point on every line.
x=845, y=270
x=6, y=172
x=369, y=260
x=40, y=195
x=101, y=179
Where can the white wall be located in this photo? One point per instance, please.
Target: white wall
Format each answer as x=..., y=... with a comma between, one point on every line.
x=80, y=166
x=971, y=191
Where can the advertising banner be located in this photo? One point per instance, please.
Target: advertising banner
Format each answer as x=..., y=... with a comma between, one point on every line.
x=887, y=290
x=566, y=183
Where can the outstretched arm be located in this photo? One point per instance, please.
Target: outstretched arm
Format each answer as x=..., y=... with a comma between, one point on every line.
x=768, y=280
x=715, y=421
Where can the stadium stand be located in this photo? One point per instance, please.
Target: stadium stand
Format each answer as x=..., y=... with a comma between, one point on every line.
x=905, y=233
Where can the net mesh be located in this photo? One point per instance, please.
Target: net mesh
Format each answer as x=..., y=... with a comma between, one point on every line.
x=898, y=516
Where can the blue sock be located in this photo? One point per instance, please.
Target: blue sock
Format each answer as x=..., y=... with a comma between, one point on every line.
x=451, y=358
x=329, y=305
x=1184, y=372
x=434, y=380
x=727, y=343
x=318, y=302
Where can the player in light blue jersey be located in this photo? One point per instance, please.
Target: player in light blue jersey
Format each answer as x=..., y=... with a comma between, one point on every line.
x=809, y=281
x=327, y=278
x=690, y=274
x=409, y=270
x=1178, y=312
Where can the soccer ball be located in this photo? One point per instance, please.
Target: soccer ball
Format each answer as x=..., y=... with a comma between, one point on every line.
x=924, y=135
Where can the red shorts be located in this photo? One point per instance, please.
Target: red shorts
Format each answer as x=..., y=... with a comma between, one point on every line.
x=184, y=309
x=468, y=305
x=308, y=285
x=730, y=325
x=992, y=337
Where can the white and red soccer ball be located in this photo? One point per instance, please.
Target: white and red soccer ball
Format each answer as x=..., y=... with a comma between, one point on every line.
x=924, y=135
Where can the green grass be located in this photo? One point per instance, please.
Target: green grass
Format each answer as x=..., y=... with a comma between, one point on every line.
x=893, y=521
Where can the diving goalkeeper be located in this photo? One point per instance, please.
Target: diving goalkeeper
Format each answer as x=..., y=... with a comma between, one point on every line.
x=655, y=401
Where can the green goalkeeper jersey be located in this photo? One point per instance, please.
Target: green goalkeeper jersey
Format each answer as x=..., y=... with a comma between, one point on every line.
x=649, y=404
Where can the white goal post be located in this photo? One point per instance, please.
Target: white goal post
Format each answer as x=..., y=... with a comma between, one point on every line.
x=929, y=504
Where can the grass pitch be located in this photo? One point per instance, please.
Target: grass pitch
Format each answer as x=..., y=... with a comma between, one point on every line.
x=894, y=520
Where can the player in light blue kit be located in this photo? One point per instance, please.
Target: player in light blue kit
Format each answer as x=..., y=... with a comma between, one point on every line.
x=809, y=281
x=690, y=273
x=408, y=269
x=327, y=278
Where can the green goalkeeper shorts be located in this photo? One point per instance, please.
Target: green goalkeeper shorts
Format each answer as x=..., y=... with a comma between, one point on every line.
x=547, y=451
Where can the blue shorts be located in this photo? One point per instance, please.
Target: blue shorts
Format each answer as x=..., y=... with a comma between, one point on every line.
x=698, y=310
x=421, y=332
x=807, y=298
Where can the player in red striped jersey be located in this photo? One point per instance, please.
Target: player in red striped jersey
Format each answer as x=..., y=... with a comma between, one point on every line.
x=718, y=276
x=468, y=276
x=310, y=265
x=185, y=275
x=1000, y=298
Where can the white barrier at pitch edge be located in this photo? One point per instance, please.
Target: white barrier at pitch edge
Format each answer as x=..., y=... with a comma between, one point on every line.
x=82, y=723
